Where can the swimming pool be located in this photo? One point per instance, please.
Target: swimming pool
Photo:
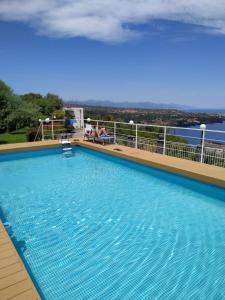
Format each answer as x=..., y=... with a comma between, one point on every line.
x=95, y=226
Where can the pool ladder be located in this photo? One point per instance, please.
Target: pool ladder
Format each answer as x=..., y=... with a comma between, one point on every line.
x=66, y=148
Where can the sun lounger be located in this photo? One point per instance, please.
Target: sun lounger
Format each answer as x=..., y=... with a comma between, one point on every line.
x=89, y=132
x=91, y=135
x=104, y=139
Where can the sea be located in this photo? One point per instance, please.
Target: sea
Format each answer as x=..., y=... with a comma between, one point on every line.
x=194, y=136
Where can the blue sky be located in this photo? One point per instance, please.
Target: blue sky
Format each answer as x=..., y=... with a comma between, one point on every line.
x=159, y=60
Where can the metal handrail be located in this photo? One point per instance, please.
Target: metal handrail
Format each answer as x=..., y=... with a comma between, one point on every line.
x=159, y=141
x=155, y=125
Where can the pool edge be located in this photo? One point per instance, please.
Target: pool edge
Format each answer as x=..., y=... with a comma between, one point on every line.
x=15, y=281
x=8, y=148
x=194, y=170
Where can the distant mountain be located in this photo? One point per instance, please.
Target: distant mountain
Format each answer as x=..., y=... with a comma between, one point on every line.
x=126, y=104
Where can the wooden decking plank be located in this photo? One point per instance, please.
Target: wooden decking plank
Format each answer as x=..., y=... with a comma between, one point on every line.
x=15, y=282
x=6, y=254
x=3, y=239
x=10, y=270
x=16, y=289
x=3, y=242
x=5, y=247
x=8, y=261
x=12, y=279
x=27, y=295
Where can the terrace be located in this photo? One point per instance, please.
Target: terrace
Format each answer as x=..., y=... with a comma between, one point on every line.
x=195, y=144
x=155, y=152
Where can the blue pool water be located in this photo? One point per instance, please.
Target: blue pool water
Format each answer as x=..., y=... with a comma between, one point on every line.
x=98, y=227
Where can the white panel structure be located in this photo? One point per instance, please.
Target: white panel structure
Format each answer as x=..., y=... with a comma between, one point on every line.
x=78, y=113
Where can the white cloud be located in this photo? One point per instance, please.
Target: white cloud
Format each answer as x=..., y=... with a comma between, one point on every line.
x=110, y=20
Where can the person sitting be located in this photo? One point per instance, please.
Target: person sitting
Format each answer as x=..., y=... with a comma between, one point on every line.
x=100, y=132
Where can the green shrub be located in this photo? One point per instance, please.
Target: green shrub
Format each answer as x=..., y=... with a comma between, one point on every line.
x=33, y=134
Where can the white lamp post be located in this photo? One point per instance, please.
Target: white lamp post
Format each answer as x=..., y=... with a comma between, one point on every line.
x=88, y=120
x=131, y=122
x=203, y=128
x=42, y=129
x=47, y=120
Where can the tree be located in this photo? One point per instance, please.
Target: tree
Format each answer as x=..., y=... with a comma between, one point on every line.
x=59, y=114
x=5, y=89
x=24, y=111
x=22, y=114
x=35, y=99
x=47, y=104
x=6, y=95
x=15, y=111
x=52, y=103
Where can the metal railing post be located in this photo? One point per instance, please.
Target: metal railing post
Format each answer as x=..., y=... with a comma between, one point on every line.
x=187, y=145
x=136, y=138
x=202, y=145
x=42, y=131
x=114, y=132
x=164, y=141
x=52, y=130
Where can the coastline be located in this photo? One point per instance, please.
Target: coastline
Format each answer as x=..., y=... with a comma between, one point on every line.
x=195, y=136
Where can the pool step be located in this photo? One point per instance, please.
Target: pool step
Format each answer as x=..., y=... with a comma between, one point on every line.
x=67, y=151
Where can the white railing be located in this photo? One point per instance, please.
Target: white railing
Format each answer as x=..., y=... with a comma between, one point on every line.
x=202, y=145
x=54, y=128
x=205, y=146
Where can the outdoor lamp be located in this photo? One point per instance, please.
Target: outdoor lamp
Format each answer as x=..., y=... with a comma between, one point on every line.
x=131, y=122
x=47, y=120
x=40, y=120
x=89, y=119
x=203, y=126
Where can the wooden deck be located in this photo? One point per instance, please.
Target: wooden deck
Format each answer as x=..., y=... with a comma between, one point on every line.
x=27, y=146
x=15, y=282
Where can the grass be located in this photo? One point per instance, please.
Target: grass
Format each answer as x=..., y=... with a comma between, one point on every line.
x=18, y=136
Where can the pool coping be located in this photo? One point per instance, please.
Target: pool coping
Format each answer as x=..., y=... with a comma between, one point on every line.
x=195, y=170
x=15, y=282
x=206, y=173
x=5, y=148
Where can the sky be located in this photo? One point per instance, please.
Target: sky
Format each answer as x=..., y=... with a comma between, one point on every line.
x=121, y=50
